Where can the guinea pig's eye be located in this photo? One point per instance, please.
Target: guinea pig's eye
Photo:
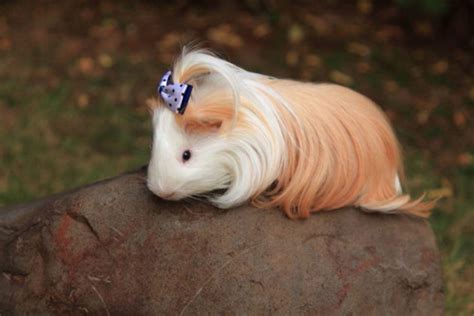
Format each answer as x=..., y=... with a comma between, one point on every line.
x=186, y=155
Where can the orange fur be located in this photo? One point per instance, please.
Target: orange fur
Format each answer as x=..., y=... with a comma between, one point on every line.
x=215, y=115
x=345, y=154
x=342, y=151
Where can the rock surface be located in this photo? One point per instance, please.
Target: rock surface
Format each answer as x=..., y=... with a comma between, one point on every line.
x=114, y=248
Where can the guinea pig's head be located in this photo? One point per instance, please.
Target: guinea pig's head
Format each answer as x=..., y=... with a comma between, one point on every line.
x=226, y=146
x=188, y=156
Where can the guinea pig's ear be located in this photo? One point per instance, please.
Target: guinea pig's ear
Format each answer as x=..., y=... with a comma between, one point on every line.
x=209, y=119
x=204, y=126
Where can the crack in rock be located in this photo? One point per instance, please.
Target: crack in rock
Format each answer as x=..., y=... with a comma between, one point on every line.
x=84, y=220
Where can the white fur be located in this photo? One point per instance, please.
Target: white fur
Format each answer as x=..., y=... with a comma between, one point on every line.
x=239, y=162
x=167, y=174
x=398, y=185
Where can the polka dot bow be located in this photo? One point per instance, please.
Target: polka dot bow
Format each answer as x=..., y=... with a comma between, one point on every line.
x=175, y=95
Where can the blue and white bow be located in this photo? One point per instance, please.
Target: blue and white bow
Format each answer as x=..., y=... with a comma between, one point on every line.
x=175, y=95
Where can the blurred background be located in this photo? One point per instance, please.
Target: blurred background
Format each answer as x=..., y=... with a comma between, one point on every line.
x=75, y=77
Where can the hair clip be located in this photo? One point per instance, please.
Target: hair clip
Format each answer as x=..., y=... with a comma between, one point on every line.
x=175, y=95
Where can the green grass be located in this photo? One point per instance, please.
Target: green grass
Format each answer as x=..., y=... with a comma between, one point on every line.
x=452, y=222
x=54, y=145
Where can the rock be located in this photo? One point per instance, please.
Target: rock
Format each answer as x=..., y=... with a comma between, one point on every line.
x=114, y=248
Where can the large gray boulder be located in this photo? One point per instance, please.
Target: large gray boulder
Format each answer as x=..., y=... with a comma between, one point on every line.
x=114, y=248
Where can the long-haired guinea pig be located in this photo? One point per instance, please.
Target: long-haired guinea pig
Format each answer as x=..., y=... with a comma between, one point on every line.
x=233, y=136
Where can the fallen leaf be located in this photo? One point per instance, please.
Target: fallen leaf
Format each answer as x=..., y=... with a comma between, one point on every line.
x=444, y=192
x=295, y=34
x=424, y=28
x=261, y=30
x=391, y=86
x=358, y=49
x=340, y=77
x=225, y=35
x=364, y=6
x=440, y=67
x=465, y=159
x=292, y=58
x=320, y=25
x=86, y=65
x=83, y=100
x=423, y=116
x=387, y=33
x=170, y=40
x=459, y=118
x=105, y=60
x=363, y=67
x=5, y=43
x=312, y=60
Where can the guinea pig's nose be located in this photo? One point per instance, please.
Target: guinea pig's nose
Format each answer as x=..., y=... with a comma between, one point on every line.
x=166, y=195
x=163, y=191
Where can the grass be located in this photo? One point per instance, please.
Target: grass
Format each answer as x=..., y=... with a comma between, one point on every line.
x=50, y=144
x=452, y=222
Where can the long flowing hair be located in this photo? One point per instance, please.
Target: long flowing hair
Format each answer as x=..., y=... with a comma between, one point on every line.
x=302, y=147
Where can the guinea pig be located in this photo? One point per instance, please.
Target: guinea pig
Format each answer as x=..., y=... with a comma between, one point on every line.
x=232, y=136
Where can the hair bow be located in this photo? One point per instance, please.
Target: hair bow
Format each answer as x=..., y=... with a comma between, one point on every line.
x=175, y=95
